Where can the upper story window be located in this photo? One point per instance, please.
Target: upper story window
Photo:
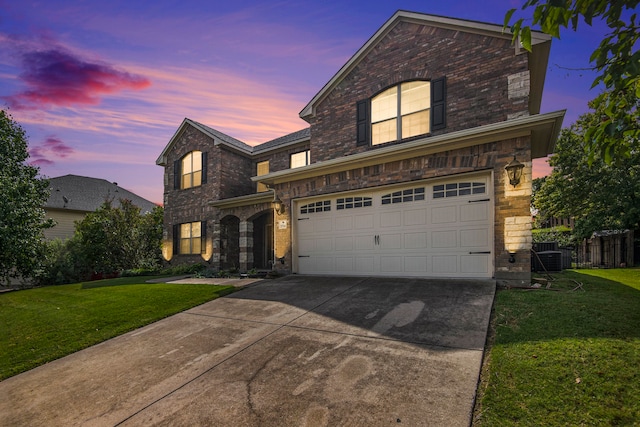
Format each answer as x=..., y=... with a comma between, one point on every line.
x=191, y=170
x=299, y=159
x=262, y=168
x=402, y=111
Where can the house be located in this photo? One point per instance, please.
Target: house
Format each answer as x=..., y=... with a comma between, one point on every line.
x=72, y=197
x=401, y=171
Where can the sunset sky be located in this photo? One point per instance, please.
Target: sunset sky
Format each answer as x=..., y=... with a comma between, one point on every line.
x=100, y=87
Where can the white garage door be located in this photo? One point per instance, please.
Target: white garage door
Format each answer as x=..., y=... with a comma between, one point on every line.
x=433, y=229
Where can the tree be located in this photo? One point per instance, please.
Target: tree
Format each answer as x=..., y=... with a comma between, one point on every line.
x=22, y=197
x=115, y=239
x=616, y=59
x=150, y=239
x=597, y=194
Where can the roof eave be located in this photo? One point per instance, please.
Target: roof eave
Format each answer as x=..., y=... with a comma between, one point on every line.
x=289, y=144
x=162, y=159
x=249, y=199
x=543, y=129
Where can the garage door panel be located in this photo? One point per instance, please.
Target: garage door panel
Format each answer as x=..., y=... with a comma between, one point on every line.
x=324, y=245
x=364, y=243
x=344, y=243
x=444, y=215
x=391, y=218
x=415, y=264
x=474, y=212
x=444, y=239
x=344, y=264
x=415, y=217
x=306, y=245
x=390, y=241
x=323, y=225
x=305, y=226
x=364, y=222
x=474, y=264
x=417, y=240
x=365, y=264
x=344, y=223
x=324, y=264
x=478, y=237
x=445, y=264
x=391, y=264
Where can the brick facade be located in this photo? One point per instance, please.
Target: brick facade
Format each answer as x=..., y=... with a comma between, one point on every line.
x=476, y=68
x=487, y=83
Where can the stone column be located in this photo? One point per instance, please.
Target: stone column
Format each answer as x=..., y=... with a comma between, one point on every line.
x=215, y=238
x=246, y=245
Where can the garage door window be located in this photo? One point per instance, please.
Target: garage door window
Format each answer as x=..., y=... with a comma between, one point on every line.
x=322, y=206
x=404, y=196
x=459, y=189
x=353, y=202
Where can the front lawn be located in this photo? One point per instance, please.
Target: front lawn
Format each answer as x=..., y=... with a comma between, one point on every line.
x=564, y=357
x=43, y=324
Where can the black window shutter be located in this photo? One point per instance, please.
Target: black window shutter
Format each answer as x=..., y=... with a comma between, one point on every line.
x=176, y=239
x=363, y=122
x=177, y=173
x=438, y=103
x=203, y=237
x=204, y=167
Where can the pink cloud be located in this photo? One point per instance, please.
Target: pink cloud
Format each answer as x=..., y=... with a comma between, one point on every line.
x=52, y=147
x=57, y=77
x=541, y=167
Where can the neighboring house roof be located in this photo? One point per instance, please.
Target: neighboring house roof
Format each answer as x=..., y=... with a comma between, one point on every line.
x=82, y=193
x=540, y=43
x=222, y=138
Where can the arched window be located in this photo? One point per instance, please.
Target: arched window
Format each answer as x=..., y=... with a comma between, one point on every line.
x=400, y=112
x=405, y=110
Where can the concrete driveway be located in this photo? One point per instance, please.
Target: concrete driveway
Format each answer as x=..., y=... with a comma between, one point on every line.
x=300, y=350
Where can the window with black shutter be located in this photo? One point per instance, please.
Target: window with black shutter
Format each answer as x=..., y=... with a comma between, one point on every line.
x=405, y=110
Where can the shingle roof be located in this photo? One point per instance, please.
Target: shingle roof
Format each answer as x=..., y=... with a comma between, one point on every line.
x=220, y=137
x=82, y=193
x=291, y=138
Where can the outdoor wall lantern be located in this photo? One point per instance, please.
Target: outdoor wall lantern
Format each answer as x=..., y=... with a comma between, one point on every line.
x=512, y=257
x=278, y=205
x=514, y=171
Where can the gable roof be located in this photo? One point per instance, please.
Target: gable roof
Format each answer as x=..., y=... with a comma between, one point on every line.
x=82, y=193
x=540, y=43
x=231, y=142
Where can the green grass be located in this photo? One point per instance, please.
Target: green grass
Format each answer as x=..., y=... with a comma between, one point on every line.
x=43, y=324
x=565, y=357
